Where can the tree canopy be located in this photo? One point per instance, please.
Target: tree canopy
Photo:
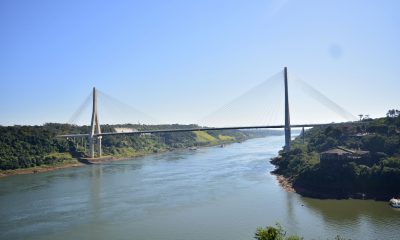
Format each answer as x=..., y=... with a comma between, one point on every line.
x=378, y=177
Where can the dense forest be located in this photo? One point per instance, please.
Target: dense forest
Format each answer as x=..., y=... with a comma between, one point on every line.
x=30, y=146
x=375, y=176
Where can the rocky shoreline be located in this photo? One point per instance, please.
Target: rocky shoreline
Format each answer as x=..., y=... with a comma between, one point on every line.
x=284, y=182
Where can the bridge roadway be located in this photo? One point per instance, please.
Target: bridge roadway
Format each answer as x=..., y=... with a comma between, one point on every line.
x=197, y=129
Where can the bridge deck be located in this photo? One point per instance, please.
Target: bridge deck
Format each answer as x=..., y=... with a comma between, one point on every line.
x=196, y=129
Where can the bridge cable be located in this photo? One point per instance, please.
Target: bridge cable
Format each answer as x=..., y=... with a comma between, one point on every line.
x=124, y=108
x=255, y=94
x=324, y=100
x=87, y=102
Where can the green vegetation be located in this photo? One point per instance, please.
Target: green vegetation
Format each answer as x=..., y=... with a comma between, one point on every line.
x=377, y=177
x=206, y=138
x=31, y=146
x=273, y=233
x=278, y=233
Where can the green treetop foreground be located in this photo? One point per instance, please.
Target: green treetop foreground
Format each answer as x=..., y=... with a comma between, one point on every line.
x=30, y=146
x=278, y=233
x=359, y=160
x=274, y=233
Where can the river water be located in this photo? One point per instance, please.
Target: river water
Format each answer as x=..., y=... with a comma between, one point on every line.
x=211, y=193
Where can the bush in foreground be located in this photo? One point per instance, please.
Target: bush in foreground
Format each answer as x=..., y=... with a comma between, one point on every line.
x=278, y=233
x=274, y=233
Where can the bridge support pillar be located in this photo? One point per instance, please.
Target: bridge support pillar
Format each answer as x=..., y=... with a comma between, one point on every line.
x=95, y=128
x=99, y=146
x=288, y=134
x=91, y=143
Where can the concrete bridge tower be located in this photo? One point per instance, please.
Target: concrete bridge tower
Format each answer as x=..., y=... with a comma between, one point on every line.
x=95, y=128
x=288, y=134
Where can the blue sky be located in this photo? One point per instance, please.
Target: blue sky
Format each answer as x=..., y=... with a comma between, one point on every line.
x=181, y=60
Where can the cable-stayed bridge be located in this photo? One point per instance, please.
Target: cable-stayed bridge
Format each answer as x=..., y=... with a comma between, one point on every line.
x=95, y=135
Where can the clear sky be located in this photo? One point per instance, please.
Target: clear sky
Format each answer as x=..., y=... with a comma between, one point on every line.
x=181, y=60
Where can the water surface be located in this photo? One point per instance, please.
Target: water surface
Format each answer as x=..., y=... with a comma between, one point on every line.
x=211, y=193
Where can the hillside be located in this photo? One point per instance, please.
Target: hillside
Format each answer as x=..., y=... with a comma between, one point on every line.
x=359, y=160
x=31, y=146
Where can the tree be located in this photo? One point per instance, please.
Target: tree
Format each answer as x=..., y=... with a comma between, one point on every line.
x=273, y=233
x=374, y=143
x=393, y=113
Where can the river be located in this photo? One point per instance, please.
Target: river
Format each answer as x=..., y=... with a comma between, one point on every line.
x=211, y=193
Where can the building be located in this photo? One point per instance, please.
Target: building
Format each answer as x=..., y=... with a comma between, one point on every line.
x=337, y=156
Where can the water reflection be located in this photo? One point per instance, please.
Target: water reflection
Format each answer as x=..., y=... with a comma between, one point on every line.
x=291, y=215
x=339, y=211
x=95, y=190
x=356, y=216
x=212, y=193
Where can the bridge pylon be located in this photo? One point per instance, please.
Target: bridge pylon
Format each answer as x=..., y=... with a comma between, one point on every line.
x=288, y=134
x=95, y=129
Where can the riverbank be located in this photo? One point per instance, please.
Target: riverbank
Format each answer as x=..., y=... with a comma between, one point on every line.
x=327, y=164
x=40, y=169
x=85, y=161
x=288, y=184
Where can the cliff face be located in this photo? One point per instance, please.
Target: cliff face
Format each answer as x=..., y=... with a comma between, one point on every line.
x=372, y=173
